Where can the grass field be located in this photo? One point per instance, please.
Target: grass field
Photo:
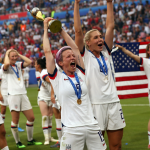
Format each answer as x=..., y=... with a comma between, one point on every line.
x=135, y=133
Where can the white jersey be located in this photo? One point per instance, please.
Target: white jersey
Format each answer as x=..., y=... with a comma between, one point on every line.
x=101, y=90
x=15, y=86
x=45, y=89
x=146, y=64
x=72, y=114
x=3, y=83
x=26, y=72
x=37, y=74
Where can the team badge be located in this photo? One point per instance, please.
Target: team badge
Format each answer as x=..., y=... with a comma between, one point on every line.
x=106, y=58
x=16, y=106
x=68, y=146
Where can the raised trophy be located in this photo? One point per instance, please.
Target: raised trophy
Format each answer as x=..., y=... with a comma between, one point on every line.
x=54, y=25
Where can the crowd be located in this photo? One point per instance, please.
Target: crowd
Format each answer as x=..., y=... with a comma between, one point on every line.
x=131, y=25
x=13, y=6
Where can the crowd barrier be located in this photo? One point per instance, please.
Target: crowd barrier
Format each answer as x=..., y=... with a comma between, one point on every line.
x=32, y=76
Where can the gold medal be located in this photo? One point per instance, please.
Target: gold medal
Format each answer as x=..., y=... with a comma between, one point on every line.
x=79, y=101
x=38, y=89
x=19, y=79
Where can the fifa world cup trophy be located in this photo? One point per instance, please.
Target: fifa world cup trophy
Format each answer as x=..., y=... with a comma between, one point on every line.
x=54, y=25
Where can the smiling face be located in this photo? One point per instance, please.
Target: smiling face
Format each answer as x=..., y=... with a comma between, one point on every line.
x=95, y=42
x=13, y=56
x=68, y=62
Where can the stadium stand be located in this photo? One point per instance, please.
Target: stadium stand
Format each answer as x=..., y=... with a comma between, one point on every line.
x=21, y=31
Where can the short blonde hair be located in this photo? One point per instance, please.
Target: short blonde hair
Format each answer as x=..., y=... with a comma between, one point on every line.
x=147, y=49
x=88, y=36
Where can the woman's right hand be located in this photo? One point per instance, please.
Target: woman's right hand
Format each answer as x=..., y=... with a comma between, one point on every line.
x=46, y=20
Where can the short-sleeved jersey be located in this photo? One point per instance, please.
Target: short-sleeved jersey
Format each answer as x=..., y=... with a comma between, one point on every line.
x=101, y=91
x=72, y=114
x=3, y=83
x=26, y=71
x=15, y=86
x=146, y=65
x=45, y=89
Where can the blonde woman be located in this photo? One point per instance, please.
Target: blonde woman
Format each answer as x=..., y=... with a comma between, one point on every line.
x=102, y=91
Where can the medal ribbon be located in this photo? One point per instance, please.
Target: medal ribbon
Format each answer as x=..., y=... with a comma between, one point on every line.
x=16, y=72
x=40, y=83
x=73, y=85
x=105, y=69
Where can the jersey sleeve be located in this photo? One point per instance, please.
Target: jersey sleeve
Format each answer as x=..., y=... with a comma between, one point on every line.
x=107, y=48
x=54, y=79
x=81, y=72
x=44, y=74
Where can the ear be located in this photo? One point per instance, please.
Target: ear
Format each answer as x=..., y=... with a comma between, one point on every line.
x=88, y=43
x=60, y=63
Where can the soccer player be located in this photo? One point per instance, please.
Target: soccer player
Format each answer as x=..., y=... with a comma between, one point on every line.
x=99, y=79
x=3, y=93
x=3, y=143
x=44, y=99
x=146, y=64
x=17, y=98
x=26, y=76
x=79, y=125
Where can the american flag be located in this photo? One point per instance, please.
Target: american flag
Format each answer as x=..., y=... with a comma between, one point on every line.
x=131, y=81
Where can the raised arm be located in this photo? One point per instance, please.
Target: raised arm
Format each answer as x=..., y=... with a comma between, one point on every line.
x=70, y=42
x=50, y=62
x=77, y=26
x=27, y=61
x=7, y=61
x=130, y=54
x=109, y=24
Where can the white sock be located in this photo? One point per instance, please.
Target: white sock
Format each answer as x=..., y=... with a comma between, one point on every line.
x=29, y=128
x=15, y=132
x=45, y=127
x=5, y=148
x=58, y=128
x=3, y=116
x=27, y=83
x=49, y=125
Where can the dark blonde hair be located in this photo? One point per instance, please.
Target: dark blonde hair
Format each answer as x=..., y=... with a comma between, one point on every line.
x=147, y=49
x=87, y=37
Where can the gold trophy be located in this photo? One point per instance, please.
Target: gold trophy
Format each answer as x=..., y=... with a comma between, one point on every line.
x=54, y=25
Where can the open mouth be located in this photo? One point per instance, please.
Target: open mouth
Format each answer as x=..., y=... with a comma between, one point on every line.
x=72, y=64
x=100, y=45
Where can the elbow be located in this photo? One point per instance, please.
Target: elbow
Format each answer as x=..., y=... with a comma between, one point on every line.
x=78, y=32
x=30, y=62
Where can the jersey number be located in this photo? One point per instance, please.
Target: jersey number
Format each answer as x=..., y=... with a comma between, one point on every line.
x=121, y=114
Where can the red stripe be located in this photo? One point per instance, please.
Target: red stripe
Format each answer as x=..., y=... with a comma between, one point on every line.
x=144, y=43
x=142, y=50
x=29, y=125
x=45, y=127
x=44, y=76
x=38, y=77
x=52, y=78
x=13, y=126
x=58, y=129
x=133, y=95
x=132, y=87
x=141, y=68
x=130, y=78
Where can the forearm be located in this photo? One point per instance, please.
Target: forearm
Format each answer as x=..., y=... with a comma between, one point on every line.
x=78, y=28
x=50, y=63
x=77, y=22
x=27, y=61
x=110, y=15
x=130, y=54
x=6, y=62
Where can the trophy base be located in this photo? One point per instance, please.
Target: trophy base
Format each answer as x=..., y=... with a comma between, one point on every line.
x=55, y=26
